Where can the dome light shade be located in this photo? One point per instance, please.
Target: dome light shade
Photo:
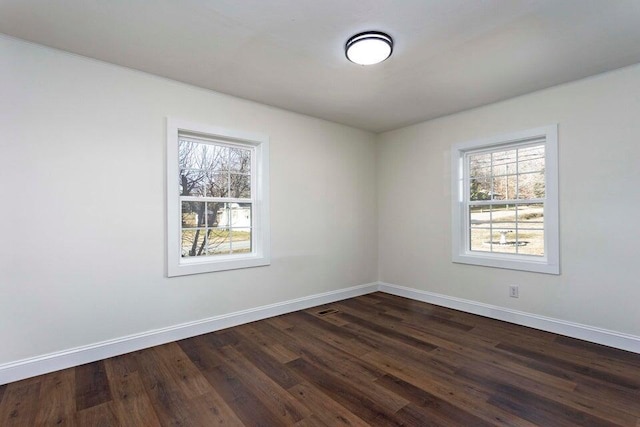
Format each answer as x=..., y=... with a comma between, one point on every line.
x=369, y=48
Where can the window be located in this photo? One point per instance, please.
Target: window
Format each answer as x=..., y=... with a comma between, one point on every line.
x=505, y=201
x=217, y=199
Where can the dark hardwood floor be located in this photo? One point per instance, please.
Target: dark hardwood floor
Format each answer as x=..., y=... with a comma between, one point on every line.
x=378, y=360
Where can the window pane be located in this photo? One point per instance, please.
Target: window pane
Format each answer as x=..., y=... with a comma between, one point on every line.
x=218, y=185
x=214, y=212
x=499, y=188
x=241, y=240
x=188, y=156
x=531, y=186
x=504, y=169
x=240, y=160
x=534, y=165
x=192, y=183
x=503, y=240
x=480, y=216
x=223, y=215
x=194, y=155
x=193, y=243
x=219, y=241
x=240, y=186
x=531, y=242
x=531, y=159
x=193, y=214
x=480, y=164
x=240, y=216
x=531, y=216
x=504, y=187
x=480, y=240
x=501, y=158
x=234, y=215
x=217, y=158
x=503, y=216
x=480, y=189
x=210, y=215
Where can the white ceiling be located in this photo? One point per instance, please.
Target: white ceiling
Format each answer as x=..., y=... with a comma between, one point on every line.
x=449, y=55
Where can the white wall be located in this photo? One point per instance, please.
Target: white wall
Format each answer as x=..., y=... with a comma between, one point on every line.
x=82, y=246
x=599, y=158
x=82, y=169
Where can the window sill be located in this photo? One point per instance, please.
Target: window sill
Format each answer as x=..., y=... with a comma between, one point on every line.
x=208, y=265
x=530, y=264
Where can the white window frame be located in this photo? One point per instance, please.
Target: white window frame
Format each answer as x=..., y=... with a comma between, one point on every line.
x=461, y=253
x=259, y=144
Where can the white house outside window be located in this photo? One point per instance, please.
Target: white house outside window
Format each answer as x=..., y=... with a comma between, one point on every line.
x=217, y=209
x=505, y=207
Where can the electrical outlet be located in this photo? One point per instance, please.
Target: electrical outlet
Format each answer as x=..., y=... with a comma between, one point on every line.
x=513, y=291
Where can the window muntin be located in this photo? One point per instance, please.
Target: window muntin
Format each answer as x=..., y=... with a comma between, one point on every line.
x=505, y=201
x=217, y=199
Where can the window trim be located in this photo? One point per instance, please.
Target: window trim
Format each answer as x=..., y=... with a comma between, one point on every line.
x=260, y=211
x=550, y=262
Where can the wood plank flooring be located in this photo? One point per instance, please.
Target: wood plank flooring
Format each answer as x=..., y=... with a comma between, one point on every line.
x=377, y=360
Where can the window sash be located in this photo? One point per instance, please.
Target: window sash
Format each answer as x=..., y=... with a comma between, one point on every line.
x=230, y=228
x=252, y=200
x=495, y=226
x=497, y=148
x=252, y=174
x=469, y=203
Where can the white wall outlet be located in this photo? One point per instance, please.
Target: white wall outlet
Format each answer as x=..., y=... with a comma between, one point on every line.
x=513, y=291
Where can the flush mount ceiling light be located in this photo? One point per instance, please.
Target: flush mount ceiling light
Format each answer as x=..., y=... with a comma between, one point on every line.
x=369, y=48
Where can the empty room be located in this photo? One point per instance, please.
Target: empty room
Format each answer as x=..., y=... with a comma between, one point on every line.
x=320, y=213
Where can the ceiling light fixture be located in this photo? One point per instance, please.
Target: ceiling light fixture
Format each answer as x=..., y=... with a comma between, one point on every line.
x=369, y=48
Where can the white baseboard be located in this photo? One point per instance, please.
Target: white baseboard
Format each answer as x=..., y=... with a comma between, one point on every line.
x=51, y=362
x=26, y=368
x=562, y=327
